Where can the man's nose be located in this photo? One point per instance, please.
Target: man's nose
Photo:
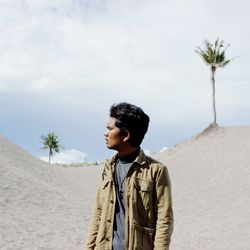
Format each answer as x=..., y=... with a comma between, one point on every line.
x=106, y=133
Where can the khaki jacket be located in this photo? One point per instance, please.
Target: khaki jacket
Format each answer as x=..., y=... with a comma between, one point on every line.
x=148, y=207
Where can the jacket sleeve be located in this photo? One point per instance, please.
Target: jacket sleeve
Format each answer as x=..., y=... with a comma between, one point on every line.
x=96, y=218
x=163, y=208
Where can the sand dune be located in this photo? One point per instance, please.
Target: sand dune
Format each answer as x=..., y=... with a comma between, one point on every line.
x=42, y=206
x=49, y=207
x=211, y=190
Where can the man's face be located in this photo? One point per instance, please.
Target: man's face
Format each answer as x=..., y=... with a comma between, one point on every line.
x=114, y=140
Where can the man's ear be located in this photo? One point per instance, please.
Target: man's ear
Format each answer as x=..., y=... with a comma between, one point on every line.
x=126, y=136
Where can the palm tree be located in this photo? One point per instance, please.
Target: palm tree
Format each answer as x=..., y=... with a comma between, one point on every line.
x=51, y=142
x=214, y=56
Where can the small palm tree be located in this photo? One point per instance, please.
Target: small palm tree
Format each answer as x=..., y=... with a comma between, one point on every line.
x=51, y=142
x=214, y=56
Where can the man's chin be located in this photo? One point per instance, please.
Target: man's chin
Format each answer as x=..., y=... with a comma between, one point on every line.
x=111, y=147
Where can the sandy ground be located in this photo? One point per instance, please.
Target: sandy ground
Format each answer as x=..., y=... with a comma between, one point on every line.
x=43, y=207
x=210, y=176
x=49, y=207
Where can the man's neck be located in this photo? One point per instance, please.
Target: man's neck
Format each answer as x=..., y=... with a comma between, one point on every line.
x=125, y=159
x=127, y=151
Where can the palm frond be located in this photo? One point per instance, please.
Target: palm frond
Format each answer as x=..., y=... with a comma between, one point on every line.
x=213, y=54
x=51, y=142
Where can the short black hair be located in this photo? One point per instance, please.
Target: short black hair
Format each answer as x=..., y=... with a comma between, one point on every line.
x=130, y=118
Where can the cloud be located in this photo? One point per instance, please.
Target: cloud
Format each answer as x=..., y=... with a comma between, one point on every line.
x=163, y=149
x=67, y=157
x=125, y=47
x=148, y=152
x=68, y=61
x=151, y=153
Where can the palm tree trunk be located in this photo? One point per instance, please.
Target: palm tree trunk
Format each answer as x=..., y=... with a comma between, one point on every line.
x=50, y=153
x=213, y=69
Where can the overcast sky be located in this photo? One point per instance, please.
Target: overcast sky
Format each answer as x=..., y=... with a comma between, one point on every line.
x=64, y=62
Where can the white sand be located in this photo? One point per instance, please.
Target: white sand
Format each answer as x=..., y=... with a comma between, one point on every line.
x=43, y=207
x=211, y=190
x=49, y=207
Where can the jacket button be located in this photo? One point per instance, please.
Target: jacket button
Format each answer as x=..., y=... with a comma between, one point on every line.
x=109, y=221
x=111, y=201
x=107, y=239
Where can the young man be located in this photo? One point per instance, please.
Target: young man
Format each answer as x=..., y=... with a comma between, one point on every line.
x=133, y=206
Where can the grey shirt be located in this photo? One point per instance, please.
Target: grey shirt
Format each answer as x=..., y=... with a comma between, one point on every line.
x=122, y=167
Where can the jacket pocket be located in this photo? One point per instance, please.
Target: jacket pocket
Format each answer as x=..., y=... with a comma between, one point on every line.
x=105, y=183
x=143, y=195
x=143, y=237
x=143, y=185
x=106, y=189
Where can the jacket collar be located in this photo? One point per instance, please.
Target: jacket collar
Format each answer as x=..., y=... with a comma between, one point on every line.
x=141, y=158
x=109, y=168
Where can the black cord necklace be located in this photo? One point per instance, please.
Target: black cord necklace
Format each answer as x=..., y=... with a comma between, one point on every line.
x=122, y=170
x=124, y=173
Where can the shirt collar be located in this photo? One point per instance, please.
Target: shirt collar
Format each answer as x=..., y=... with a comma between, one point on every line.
x=140, y=159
